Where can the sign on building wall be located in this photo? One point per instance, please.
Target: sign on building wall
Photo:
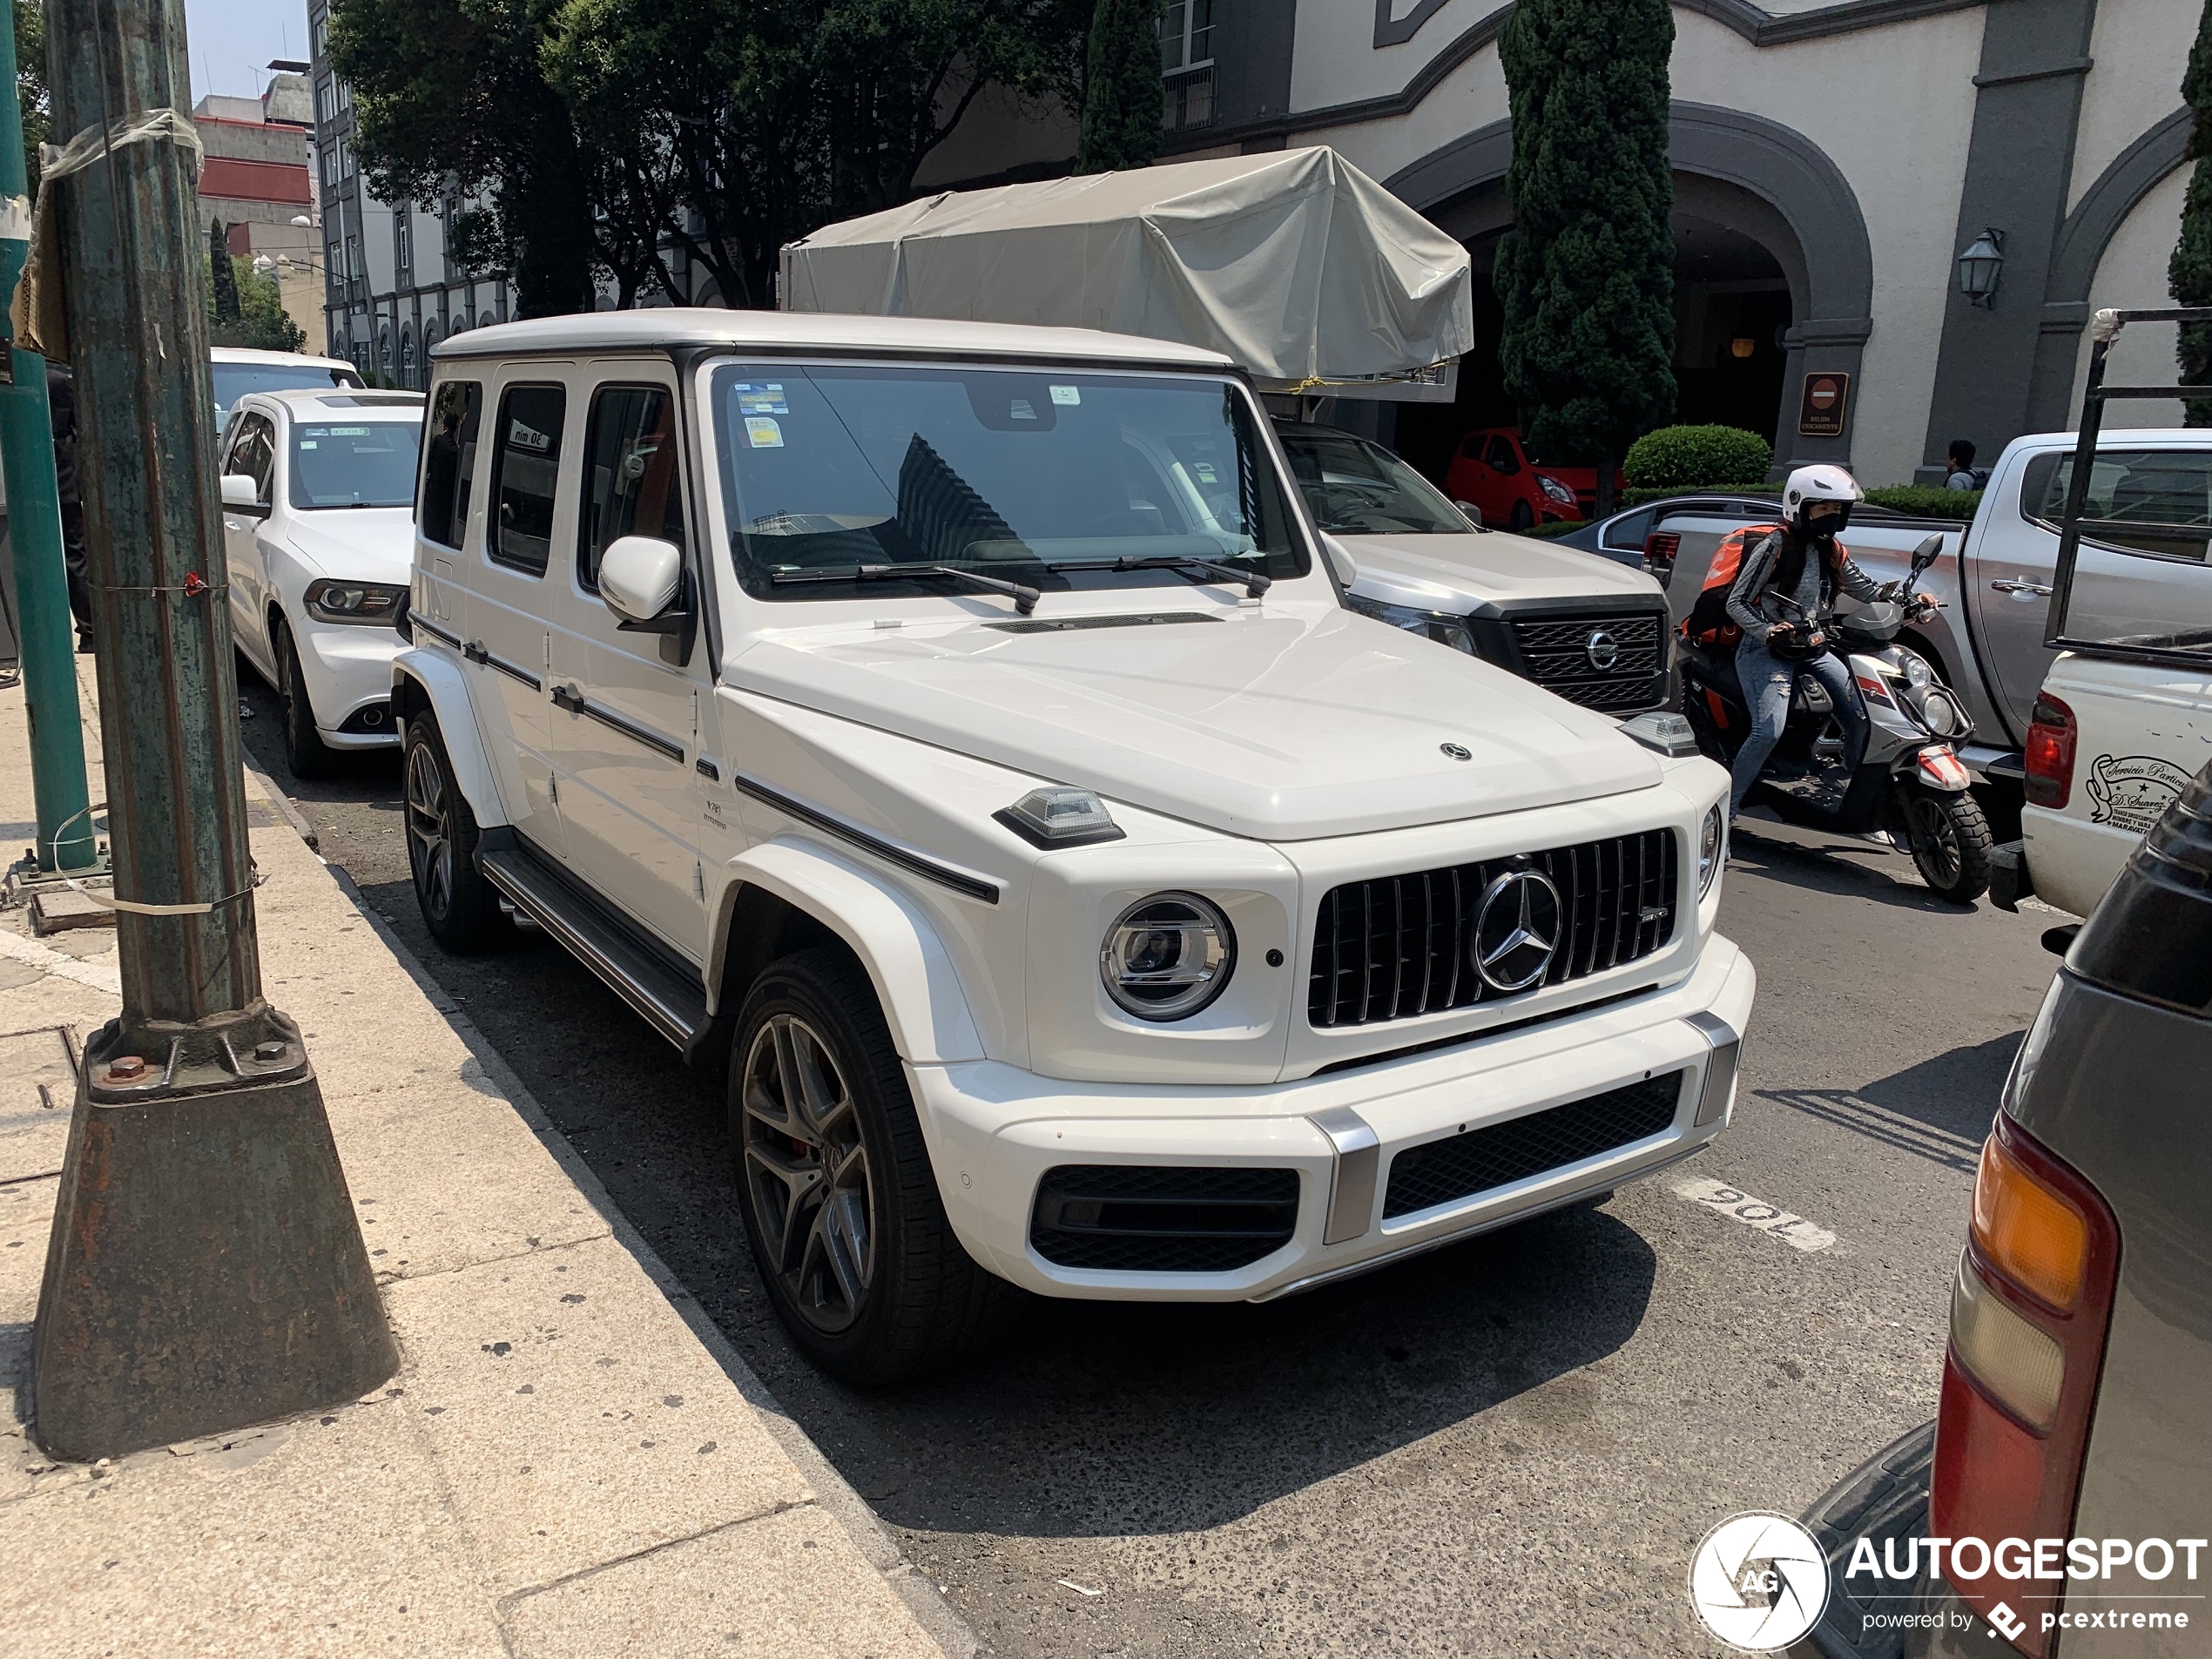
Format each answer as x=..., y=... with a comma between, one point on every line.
x=1827, y=396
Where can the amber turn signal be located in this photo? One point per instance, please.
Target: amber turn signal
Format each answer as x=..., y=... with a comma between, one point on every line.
x=2027, y=1231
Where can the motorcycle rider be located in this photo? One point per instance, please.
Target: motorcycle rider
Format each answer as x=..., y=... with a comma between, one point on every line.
x=1781, y=591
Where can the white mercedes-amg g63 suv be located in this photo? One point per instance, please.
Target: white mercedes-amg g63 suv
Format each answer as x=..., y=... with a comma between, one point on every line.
x=957, y=732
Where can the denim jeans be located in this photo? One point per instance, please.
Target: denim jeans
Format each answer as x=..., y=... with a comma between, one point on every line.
x=1768, y=682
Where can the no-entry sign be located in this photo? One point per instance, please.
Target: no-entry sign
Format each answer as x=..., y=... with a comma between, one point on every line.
x=1827, y=395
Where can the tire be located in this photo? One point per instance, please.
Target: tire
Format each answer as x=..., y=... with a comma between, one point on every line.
x=304, y=750
x=1522, y=515
x=1950, y=841
x=839, y=1201
x=459, y=906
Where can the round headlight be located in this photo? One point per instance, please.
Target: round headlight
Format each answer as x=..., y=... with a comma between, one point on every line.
x=1917, y=671
x=1712, y=847
x=1168, y=956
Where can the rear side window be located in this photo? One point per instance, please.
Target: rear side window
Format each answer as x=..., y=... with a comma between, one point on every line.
x=2141, y=501
x=254, y=454
x=449, y=462
x=523, y=475
x=633, y=480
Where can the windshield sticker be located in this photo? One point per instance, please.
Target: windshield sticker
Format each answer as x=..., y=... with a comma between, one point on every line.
x=762, y=433
x=1205, y=470
x=761, y=398
x=306, y=443
x=346, y=432
x=2131, y=791
x=1068, y=396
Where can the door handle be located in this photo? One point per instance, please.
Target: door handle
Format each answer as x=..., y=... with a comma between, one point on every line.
x=567, y=697
x=2022, y=585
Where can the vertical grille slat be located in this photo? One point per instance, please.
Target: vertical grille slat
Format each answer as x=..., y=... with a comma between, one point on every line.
x=1395, y=947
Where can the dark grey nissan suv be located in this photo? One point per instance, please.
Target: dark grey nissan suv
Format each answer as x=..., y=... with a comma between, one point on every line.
x=2061, y=1502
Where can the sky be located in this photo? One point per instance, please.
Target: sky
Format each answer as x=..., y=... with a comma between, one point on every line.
x=232, y=41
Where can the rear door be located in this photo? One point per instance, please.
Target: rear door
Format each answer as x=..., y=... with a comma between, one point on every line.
x=627, y=705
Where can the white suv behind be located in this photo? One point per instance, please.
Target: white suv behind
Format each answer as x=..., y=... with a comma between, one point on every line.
x=956, y=729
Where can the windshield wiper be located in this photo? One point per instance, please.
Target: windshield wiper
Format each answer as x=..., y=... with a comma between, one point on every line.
x=1025, y=599
x=1255, y=583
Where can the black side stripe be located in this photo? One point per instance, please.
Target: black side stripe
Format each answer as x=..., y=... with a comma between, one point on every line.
x=416, y=619
x=650, y=739
x=475, y=652
x=959, y=880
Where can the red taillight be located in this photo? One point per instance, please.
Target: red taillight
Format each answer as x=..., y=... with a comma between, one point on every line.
x=1660, y=549
x=2050, y=734
x=2019, y=1379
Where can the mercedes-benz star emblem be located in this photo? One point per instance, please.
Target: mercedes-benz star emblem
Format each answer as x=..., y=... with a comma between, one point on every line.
x=1456, y=751
x=1602, y=649
x=1516, y=930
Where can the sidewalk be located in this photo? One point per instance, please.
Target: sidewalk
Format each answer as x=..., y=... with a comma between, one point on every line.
x=570, y=1462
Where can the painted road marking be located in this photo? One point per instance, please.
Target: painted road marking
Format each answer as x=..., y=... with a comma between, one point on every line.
x=1737, y=1205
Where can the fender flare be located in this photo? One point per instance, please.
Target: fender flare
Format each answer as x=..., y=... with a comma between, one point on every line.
x=916, y=982
x=419, y=677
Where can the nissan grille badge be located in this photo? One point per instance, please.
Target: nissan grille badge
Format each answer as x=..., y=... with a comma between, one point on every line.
x=1516, y=930
x=1602, y=649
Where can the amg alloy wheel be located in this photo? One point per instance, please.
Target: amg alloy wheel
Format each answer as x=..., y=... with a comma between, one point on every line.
x=807, y=1167
x=459, y=906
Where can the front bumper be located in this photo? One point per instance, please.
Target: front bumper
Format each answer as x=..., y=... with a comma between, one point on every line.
x=994, y=1131
x=348, y=673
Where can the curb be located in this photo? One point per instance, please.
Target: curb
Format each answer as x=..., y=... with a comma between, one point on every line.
x=835, y=1493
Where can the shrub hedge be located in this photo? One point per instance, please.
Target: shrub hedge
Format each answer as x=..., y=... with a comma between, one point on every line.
x=1927, y=501
x=1697, y=457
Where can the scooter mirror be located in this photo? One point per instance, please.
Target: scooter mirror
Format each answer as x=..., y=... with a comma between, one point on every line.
x=1931, y=547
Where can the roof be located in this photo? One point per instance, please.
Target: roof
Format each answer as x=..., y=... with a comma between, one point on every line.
x=667, y=326
x=301, y=360
x=308, y=403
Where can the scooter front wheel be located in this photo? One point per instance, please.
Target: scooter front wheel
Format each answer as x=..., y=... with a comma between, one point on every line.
x=1950, y=841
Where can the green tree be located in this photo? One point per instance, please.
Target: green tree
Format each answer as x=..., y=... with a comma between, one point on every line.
x=1586, y=275
x=222, y=285
x=2189, y=271
x=451, y=94
x=31, y=82
x=257, y=316
x=1121, y=87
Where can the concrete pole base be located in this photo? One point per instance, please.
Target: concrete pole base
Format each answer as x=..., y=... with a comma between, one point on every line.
x=206, y=1272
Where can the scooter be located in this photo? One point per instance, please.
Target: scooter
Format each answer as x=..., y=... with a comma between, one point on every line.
x=1910, y=783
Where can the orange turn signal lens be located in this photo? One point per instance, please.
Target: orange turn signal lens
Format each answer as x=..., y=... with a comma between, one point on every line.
x=2027, y=1231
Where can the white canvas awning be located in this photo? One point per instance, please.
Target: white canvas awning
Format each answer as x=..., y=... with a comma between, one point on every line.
x=1294, y=263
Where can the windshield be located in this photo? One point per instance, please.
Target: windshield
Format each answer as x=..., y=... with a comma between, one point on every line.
x=368, y=465
x=233, y=381
x=1019, y=473
x=1359, y=487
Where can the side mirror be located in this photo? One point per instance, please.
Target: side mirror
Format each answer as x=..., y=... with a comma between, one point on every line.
x=242, y=494
x=1473, y=513
x=639, y=579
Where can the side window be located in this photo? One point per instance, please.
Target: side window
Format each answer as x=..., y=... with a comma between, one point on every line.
x=1628, y=534
x=1500, y=455
x=523, y=473
x=255, y=456
x=1471, y=446
x=2141, y=501
x=633, y=474
x=449, y=462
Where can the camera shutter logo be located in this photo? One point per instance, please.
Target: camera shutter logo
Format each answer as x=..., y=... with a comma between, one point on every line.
x=1759, y=1582
x=1517, y=929
x=1603, y=651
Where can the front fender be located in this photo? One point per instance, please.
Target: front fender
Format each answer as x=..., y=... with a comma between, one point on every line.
x=420, y=677
x=915, y=977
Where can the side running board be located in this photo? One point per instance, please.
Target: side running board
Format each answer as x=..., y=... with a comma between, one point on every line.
x=666, y=993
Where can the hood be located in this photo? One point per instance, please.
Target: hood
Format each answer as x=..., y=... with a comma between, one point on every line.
x=1488, y=570
x=1279, y=724
x=357, y=544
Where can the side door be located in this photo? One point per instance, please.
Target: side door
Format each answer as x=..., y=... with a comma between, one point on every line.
x=2140, y=576
x=252, y=455
x=506, y=632
x=445, y=498
x=627, y=704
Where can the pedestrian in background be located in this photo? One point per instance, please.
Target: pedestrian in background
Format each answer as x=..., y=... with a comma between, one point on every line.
x=1959, y=468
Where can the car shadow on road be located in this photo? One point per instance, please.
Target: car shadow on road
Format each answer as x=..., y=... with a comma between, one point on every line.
x=1939, y=1109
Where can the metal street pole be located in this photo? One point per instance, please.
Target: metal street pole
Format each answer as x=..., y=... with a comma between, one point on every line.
x=205, y=1270
x=35, y=531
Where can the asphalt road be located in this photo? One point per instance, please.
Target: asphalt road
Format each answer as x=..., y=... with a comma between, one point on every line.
x=1510, y=1446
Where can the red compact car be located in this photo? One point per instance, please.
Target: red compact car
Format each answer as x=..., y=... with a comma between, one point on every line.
x=1494, y=470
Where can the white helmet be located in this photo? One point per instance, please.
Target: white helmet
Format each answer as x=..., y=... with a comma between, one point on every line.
x=1811, y=486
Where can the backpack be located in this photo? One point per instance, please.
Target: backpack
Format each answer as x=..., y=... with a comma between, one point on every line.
x=1708, y=622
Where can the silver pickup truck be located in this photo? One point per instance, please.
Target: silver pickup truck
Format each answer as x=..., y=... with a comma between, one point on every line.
x=2147, y=574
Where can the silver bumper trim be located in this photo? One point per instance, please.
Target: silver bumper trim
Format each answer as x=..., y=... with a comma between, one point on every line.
x=1727, y=1044
x=1352, y=1179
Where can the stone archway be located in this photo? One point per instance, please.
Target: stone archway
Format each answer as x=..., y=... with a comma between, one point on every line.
x=1739, y=178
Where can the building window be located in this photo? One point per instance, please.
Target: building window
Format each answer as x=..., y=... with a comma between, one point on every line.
x=403, y=241
x=407, y=354
x=1186, y=62
x=384, y=347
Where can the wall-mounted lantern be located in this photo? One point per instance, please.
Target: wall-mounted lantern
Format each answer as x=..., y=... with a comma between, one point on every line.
x=1978, y=268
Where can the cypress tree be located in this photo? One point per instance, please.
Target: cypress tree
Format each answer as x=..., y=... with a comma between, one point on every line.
x=222, y=278
x=2189, y=271
x=1586, y=275
x=1122, y=90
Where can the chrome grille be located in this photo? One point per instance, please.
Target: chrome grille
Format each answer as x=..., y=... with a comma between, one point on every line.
x=1399, y=945
x=1555, y=653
